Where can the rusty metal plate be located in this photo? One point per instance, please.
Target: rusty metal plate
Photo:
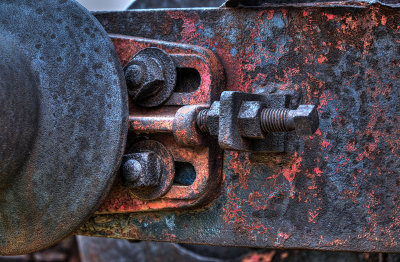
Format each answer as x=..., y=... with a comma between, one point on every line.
x=204, y=156
x=79, y=121
x=332, y=3
x=336, y=190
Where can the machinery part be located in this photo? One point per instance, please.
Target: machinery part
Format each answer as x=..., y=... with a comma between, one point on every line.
x=251, y=119
x=304, y=120
x=248, y=122
x=152, y=4
x=197, y=158
x=148, y=170
x=242, y=116
x=335, y=190
x=185, y=129
x=265, y=3
x=132, y=170
x=150, y=77
x=64, y=123
x=202, y=87
x=19, y=108
x=107, y=250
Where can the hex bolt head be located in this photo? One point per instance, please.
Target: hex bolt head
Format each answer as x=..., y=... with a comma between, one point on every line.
x=148, y=170
x=144, y=80
x=150, y=77
x=304, y=120
x=141, y=171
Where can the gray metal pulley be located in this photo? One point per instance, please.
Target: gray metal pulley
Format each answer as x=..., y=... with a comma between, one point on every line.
x=63, y=115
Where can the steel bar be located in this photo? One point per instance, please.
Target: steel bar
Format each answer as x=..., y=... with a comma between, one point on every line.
x=337, y=190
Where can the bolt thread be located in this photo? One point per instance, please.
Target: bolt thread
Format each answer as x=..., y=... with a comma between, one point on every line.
x=274, y=120
x=201, y=121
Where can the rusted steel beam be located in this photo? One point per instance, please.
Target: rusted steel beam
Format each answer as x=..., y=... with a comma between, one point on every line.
x=332, y=3
x=337, y=190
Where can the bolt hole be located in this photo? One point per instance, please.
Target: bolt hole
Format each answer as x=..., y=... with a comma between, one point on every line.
x=188, y=80
x=185, y=174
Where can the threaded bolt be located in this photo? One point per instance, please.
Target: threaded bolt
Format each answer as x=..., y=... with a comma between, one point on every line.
x=276, y=120
x=201, y=121
x=304, y=120
x=272, y=120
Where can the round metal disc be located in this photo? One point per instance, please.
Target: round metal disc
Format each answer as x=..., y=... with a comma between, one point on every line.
x=81, y=124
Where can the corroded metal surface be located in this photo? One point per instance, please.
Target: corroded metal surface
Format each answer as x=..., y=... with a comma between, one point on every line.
x=337, y=190
x=150, y=77
x=173, y=124
x=61, y=84
x=333, y=3
x=156, y=171
x=151, y=4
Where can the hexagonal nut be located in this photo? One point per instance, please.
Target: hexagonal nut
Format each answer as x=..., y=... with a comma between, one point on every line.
x=144, y=79
x=213, y=118
x=141, y=170
x=305, y=120
x=250, y=120
x=150, y=77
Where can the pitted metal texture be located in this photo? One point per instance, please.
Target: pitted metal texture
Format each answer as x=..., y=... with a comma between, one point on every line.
x=67, y=81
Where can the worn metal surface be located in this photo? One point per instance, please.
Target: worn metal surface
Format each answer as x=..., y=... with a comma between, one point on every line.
x=151, y=4
x=260, y=3
x=247, y=122
x=94, y=249
x=150, y=77
x=336, y=190
x=156, y=173
x=19, y=108
x=72, y=95
x=200, y=77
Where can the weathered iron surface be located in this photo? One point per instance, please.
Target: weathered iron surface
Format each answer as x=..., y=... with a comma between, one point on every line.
x=248, y=122
x=152, y=4
x=260, y=3
x=19, y=108
x=150, y=77
x=63, y=121
x=337, y=190
x=155, y=173
x=200, y=77
x=93, y=249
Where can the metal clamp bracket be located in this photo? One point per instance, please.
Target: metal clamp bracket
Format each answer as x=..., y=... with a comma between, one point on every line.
x=191, y=125
x=169, y=119
x=256, y=122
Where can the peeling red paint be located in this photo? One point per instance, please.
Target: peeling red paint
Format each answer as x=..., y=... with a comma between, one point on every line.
x=337, y=189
